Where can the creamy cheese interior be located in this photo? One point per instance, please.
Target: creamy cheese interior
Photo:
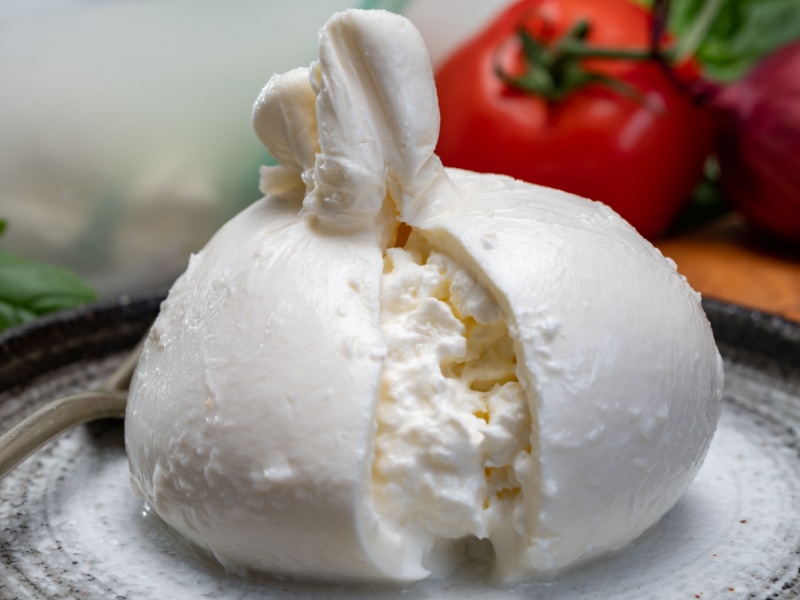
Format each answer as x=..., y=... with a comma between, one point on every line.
x=454, y=444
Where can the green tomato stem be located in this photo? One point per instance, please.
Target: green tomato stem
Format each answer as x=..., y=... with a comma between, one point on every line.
x=555, y=71
x=581, y=51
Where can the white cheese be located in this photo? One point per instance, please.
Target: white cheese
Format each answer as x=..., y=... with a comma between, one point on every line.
x=383, y=357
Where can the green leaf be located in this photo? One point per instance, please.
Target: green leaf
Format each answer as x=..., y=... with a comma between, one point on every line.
x=743, y=32
x=29, y=289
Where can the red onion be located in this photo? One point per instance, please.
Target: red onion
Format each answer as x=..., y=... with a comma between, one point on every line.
x=758, y=142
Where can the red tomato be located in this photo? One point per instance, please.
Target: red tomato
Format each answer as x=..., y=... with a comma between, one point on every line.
x=640, y=153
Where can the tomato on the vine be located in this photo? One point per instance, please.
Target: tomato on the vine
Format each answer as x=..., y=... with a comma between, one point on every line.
x=588, y=119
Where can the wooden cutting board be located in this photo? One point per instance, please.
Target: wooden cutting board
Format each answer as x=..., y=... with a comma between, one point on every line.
x=726, y=261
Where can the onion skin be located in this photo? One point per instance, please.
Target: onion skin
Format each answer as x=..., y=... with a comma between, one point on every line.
x=758, y=143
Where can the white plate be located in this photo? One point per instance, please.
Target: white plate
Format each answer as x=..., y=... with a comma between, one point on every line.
x=71, y=528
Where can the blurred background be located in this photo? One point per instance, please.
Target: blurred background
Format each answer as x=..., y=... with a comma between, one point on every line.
x=125, y=135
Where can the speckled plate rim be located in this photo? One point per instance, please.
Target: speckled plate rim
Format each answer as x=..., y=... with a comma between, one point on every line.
x=62, y=338
x=114, y=325
x=748, y=332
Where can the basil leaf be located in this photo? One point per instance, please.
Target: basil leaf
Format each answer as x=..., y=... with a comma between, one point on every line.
x=742, y=33
x=29, y=289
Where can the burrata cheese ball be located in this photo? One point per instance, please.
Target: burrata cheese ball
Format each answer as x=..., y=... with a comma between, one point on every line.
x=383, y=358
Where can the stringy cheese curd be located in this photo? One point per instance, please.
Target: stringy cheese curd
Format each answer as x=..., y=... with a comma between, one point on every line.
x=453, y=444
